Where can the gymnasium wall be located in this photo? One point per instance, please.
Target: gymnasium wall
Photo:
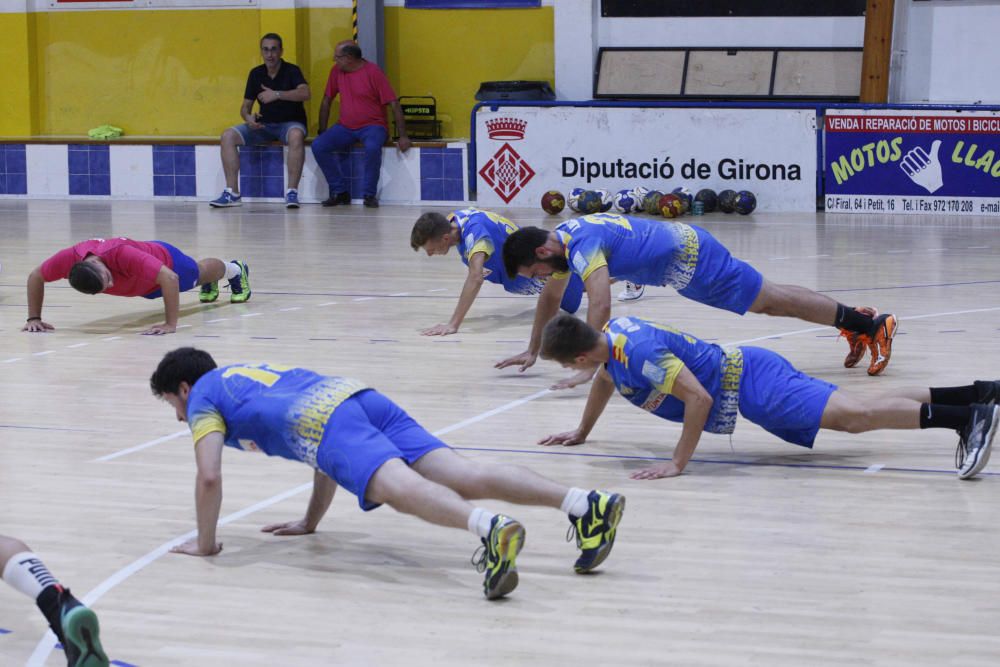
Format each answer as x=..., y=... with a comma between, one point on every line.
x=181, y=72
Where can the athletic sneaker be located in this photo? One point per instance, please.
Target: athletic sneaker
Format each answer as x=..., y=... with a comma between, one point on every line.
x=80, y=633
x=240, y=285
x=226, y=199
x=975, y=441
x=987, y=392
x=595, y=530
x=497, y=555
x=857, y=341
x=880, y=343
x=209, y=292
x=292, y=199
x=631, y=291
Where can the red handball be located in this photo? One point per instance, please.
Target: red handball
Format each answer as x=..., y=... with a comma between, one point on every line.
x=553, y=202
x=671, y=206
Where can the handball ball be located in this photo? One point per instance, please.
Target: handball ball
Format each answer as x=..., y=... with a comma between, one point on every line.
x=686, y=197
x=746, y=202
x=590, y=202
x=553, y=202
x=708, y=198
x=639, y=196
x=574, y=198
x=727, y=201
x=671, y=206
x=623, y=201
x=651, y=204
x=607, y=199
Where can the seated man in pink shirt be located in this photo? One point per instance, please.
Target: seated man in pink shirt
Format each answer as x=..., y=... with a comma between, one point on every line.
x=123, y=267
x=364, y=91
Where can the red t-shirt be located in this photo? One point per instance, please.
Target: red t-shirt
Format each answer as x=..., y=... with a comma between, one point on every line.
x=134, y=265
x=363, y=95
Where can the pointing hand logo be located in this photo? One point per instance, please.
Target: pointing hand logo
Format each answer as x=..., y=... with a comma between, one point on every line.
x=923, y=168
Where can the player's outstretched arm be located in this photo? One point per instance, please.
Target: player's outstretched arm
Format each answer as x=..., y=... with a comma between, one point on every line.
x=597, y=400
x=548, y=306
x=319, y=503
x=207, y=496
x=36, y=295
x=598, y=286
x=170, y=286
x=470, y=290
x=697, y=404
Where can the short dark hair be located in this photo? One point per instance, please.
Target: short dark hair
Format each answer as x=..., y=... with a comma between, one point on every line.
x=519, y=248
x=276, y=37
x=84, y=277
x=352, y=50
x=185, y=364
x=566, y=337
x=429, y=226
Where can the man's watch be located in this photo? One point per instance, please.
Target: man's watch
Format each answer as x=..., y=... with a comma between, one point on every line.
x=277, y=94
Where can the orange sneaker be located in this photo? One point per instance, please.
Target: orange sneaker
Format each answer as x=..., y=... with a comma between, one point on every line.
x=859, y=342
x=881, y=343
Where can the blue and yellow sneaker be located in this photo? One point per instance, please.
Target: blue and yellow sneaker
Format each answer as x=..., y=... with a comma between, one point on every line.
x=240, y=285
x=80, y=634
x=209, y=292
x=496, y=557
x=595, y=530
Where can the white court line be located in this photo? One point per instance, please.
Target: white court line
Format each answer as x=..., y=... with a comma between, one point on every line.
x=775, y=259
x=12, y=360
x=40, y=354
x=872, y=469
x=145, y=445
x=76, y=345
x=285, y=310
x=363, y=298
x=47, y=643
x=329, y=303
x=896, y=252
x=859, y=253
x=978, y=247
x=408, y=294
x=112, y=338
x=221, y=319
x=251, y=314
x=183, y=326
x=815, y=256
x=439, y=289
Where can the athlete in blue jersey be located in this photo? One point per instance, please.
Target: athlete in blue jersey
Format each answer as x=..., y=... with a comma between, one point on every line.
x=603, y=246
x=354, y=436
x=681, y=378
x=479, y=236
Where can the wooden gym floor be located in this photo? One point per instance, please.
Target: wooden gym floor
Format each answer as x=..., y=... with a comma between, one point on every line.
x=866, y=550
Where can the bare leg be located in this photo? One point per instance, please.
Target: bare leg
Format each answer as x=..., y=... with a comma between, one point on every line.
x=794, y=301
x=210, y=270
x=845, y=412
x=296, y=157
x=472, y=480
x=406, y=491
x=10, y=547
x=231, y=141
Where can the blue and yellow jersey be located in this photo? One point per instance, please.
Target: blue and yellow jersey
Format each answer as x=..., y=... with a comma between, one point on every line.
x=278, y=410
x=485, y=232
x=643, y=251
x=645, y=359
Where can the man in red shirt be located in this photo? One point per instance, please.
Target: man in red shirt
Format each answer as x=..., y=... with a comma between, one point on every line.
x=123, y=267
x=364, y=91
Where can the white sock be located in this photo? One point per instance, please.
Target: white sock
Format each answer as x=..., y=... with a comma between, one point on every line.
x=480, y=521
x=575, y=503
x=291, y=190
x=27, y=573
x=232, y=270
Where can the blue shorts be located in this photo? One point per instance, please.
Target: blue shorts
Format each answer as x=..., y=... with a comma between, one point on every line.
x=782, y=400
x=364, y=432
x=270, y=132
x=185, y=268
x=721, y=280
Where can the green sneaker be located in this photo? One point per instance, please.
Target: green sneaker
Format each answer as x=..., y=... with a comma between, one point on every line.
x=595, y=530
x=209, y=292
x=497, y=555
x=240, y=285
x=80, y=633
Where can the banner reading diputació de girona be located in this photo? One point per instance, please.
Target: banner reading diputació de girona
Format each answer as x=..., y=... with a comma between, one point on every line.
x=896, y=161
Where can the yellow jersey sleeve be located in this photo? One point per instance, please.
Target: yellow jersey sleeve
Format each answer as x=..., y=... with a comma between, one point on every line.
x=205, y=423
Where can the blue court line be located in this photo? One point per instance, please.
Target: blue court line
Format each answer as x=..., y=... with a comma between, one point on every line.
x=263, y=338
x=121, y=663
x=952, y=331
x=322, y=339
x=733, y=462
x=4, y=631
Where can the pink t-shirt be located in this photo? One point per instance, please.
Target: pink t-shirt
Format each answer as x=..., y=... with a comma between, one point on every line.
x=134, y=265
x=363, y=95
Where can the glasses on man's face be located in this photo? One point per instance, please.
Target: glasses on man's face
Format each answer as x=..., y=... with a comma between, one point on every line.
x=270, y=49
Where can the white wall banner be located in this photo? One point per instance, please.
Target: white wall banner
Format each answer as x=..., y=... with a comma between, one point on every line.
x=522, y=152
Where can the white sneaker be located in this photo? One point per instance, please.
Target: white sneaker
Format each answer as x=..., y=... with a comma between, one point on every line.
x=631, y=292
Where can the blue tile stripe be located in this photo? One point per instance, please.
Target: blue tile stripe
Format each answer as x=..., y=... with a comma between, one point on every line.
x=262, y=171
x=174, y=171
x=89, y=169
x=13, y=170
x=441, y=174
